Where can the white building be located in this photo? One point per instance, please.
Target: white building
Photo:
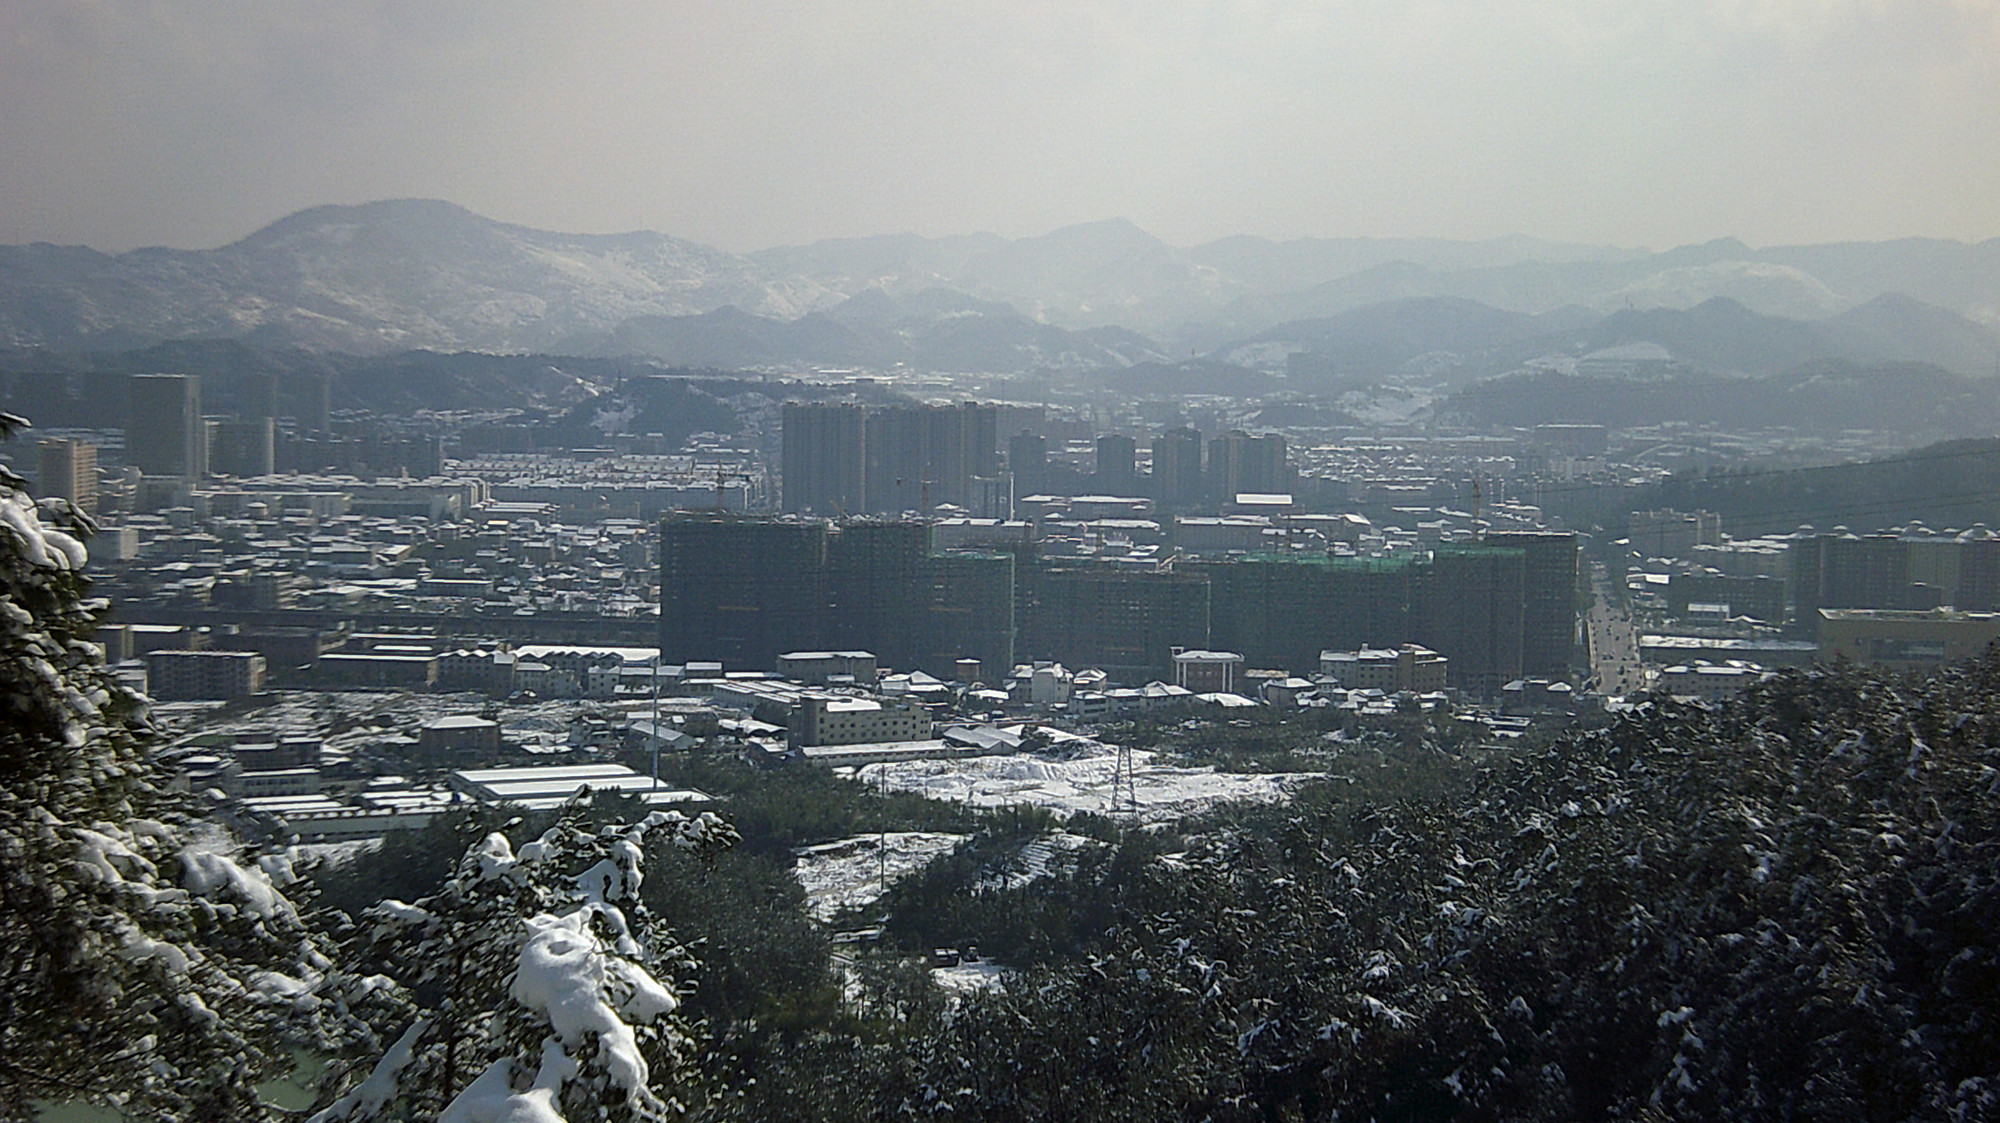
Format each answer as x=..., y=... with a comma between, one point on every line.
x=1206, y=672
x=836, y=720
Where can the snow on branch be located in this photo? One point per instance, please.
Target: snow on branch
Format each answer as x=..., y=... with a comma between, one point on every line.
x=547, y=967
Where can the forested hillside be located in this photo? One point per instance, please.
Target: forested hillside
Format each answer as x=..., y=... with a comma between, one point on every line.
x=1782, y=909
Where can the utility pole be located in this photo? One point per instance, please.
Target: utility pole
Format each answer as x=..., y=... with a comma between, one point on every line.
x=657, y=653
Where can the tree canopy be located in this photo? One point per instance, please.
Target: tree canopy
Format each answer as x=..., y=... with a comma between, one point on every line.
x=146, y=962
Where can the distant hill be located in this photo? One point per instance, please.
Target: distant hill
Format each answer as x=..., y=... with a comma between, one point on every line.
x=938, y=329
x=1459, y=341
x=407, y=274
x=1718, y=334
x=1896, y=326
x=1921, y=401
x=88, y=390
x=1426, y=335
x=1952, y=485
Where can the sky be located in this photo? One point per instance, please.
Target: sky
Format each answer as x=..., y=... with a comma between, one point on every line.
x=753, y=123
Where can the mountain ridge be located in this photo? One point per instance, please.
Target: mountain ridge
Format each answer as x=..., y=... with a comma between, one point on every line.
x=418, y=273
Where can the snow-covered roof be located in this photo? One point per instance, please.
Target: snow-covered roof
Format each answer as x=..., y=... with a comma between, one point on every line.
x=461, y=721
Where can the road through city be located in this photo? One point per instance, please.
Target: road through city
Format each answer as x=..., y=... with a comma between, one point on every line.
x=1614, y=642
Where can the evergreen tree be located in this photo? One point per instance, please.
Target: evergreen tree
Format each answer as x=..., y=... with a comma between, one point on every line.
x=538, y=977
x=145, y=963
x=1783, y=907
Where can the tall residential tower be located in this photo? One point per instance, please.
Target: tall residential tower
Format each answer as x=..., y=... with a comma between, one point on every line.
x=164, y=432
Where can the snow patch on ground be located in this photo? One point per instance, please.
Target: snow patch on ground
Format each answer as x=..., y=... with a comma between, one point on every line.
x=968, y=978
x=1032, y=863
x=1388, y=405
x=1083, y=782
x=851, y=872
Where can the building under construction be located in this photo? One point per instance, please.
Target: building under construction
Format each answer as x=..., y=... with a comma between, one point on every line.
x=1549, y=588
x=741, y=589
x=744, y=589
x=1471, y=607
x=1282, y=610
x=1497, y=610
x=1128, y=623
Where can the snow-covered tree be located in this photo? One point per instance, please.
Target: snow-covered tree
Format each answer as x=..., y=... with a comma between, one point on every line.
x=539, y=973
x=145, y=962
x=1784, y=907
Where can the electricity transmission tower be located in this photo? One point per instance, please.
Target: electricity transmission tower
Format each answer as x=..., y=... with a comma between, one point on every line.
x=1124, y=783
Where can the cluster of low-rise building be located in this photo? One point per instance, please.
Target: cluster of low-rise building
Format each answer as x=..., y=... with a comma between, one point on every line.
x=1720, y=613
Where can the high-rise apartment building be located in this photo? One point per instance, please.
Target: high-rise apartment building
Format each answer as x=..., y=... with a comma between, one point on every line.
x=853, y=460
x=992, y=497
x=745, y=589
x=1471, y=607
x=969, y=605
x=740, y=589
x=1549, y=590
x=1281, y=610
x=1912, y=572
x=1117, y=465
x=1672, y=534
x=242, y=447
x=1126, y=622
x=1028, y=461
x=1239, y=464
x=67, y=469
x=314, y=395
x=1177, y=468
x=257, y=396
x=824, y=459
x=921, y=456
x=1978, y=575
x=1846, y=571
x=1497, y=611
x=164, y=432
x=874, y=568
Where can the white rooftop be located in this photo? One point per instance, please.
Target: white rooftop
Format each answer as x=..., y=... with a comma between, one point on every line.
x=543, y=788
x=460, y=721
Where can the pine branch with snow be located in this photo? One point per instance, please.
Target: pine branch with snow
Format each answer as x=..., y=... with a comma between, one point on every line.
x=145, y=962
x=544, y=981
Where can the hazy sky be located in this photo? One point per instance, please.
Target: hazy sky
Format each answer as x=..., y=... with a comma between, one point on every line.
x=750, y=123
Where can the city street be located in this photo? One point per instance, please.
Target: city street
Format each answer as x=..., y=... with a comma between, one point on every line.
x=1614, y=642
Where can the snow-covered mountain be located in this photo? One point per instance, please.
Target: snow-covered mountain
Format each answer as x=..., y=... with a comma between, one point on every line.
x=389, y=275
x=426, y=274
